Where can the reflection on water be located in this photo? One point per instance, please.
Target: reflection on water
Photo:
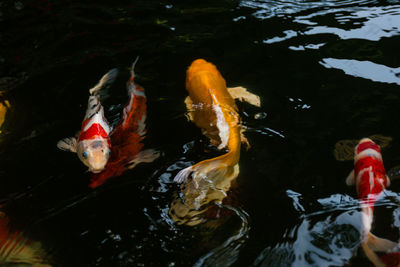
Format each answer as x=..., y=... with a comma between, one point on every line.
x=364, y=69
x=349, y=22
x=228, y=252
x=369, y=23
x=199, y=196
x=267, y=8
x=326, y=237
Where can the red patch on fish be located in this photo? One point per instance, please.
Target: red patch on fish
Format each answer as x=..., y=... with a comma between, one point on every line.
x=125, y=139
x=94, y=131
x=367, y=145
x=371, y=172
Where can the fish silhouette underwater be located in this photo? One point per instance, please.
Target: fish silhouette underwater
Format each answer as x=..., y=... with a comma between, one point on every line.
x=211, y=106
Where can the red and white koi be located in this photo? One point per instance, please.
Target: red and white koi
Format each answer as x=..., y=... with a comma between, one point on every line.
x=370, y=179
x=93, y=143
x=126, y=138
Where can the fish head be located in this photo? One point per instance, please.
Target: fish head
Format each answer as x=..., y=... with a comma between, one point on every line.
x=94, y=153
x=366, y=144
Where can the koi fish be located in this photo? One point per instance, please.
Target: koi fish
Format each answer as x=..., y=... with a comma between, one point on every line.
x=16, y=249
x=93, y=143
x=211, y=106
x=126, y=138
x=370, y=179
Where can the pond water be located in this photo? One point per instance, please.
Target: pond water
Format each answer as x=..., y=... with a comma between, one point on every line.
x=325, y=71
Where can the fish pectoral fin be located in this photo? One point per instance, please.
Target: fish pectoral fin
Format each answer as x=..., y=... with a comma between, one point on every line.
x=241, y=93
x=350, y=178
x=380, y=244
x=189, y=107
x=387, y=181
x=68, y=144
x=148, y=155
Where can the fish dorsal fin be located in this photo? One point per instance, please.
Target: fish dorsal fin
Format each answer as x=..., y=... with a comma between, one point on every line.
x=107, y=79
x=380, y=244
x=68, y=144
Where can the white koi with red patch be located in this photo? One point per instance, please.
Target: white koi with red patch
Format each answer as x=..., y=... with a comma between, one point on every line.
x=93, y=143
x=370, y=179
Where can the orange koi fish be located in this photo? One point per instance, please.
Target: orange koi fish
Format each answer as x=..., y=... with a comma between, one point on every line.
x=93, y=143
x=126, y=138
x=212, y=109
x=370, y=178
x=211, y=106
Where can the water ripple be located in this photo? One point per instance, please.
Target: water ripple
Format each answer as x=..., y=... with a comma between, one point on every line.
x=325, y=237
x=379, y=22
x=228, y=252
x=329, y=17
x=270, y=8
x=364, y=69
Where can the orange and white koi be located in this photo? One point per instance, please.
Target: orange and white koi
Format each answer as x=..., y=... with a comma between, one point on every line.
x=370, y=179
x=126, y=138
x=93, y=143
x=211, y=106
x=212, y=109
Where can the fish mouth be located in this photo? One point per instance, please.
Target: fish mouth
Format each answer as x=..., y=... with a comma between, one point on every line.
x=96, y=170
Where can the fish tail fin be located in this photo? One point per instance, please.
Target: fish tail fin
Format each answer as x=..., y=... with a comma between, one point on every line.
x=107, y=79
x=375, y=243
x=371, y=255
x=131, y=86
x=379, y=244
x=133, y=68
x=212, y=169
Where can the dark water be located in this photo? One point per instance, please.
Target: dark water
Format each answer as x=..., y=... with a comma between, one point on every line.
x=325, y=71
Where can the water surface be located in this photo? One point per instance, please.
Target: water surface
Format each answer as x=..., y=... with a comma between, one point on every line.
x=325, y=71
